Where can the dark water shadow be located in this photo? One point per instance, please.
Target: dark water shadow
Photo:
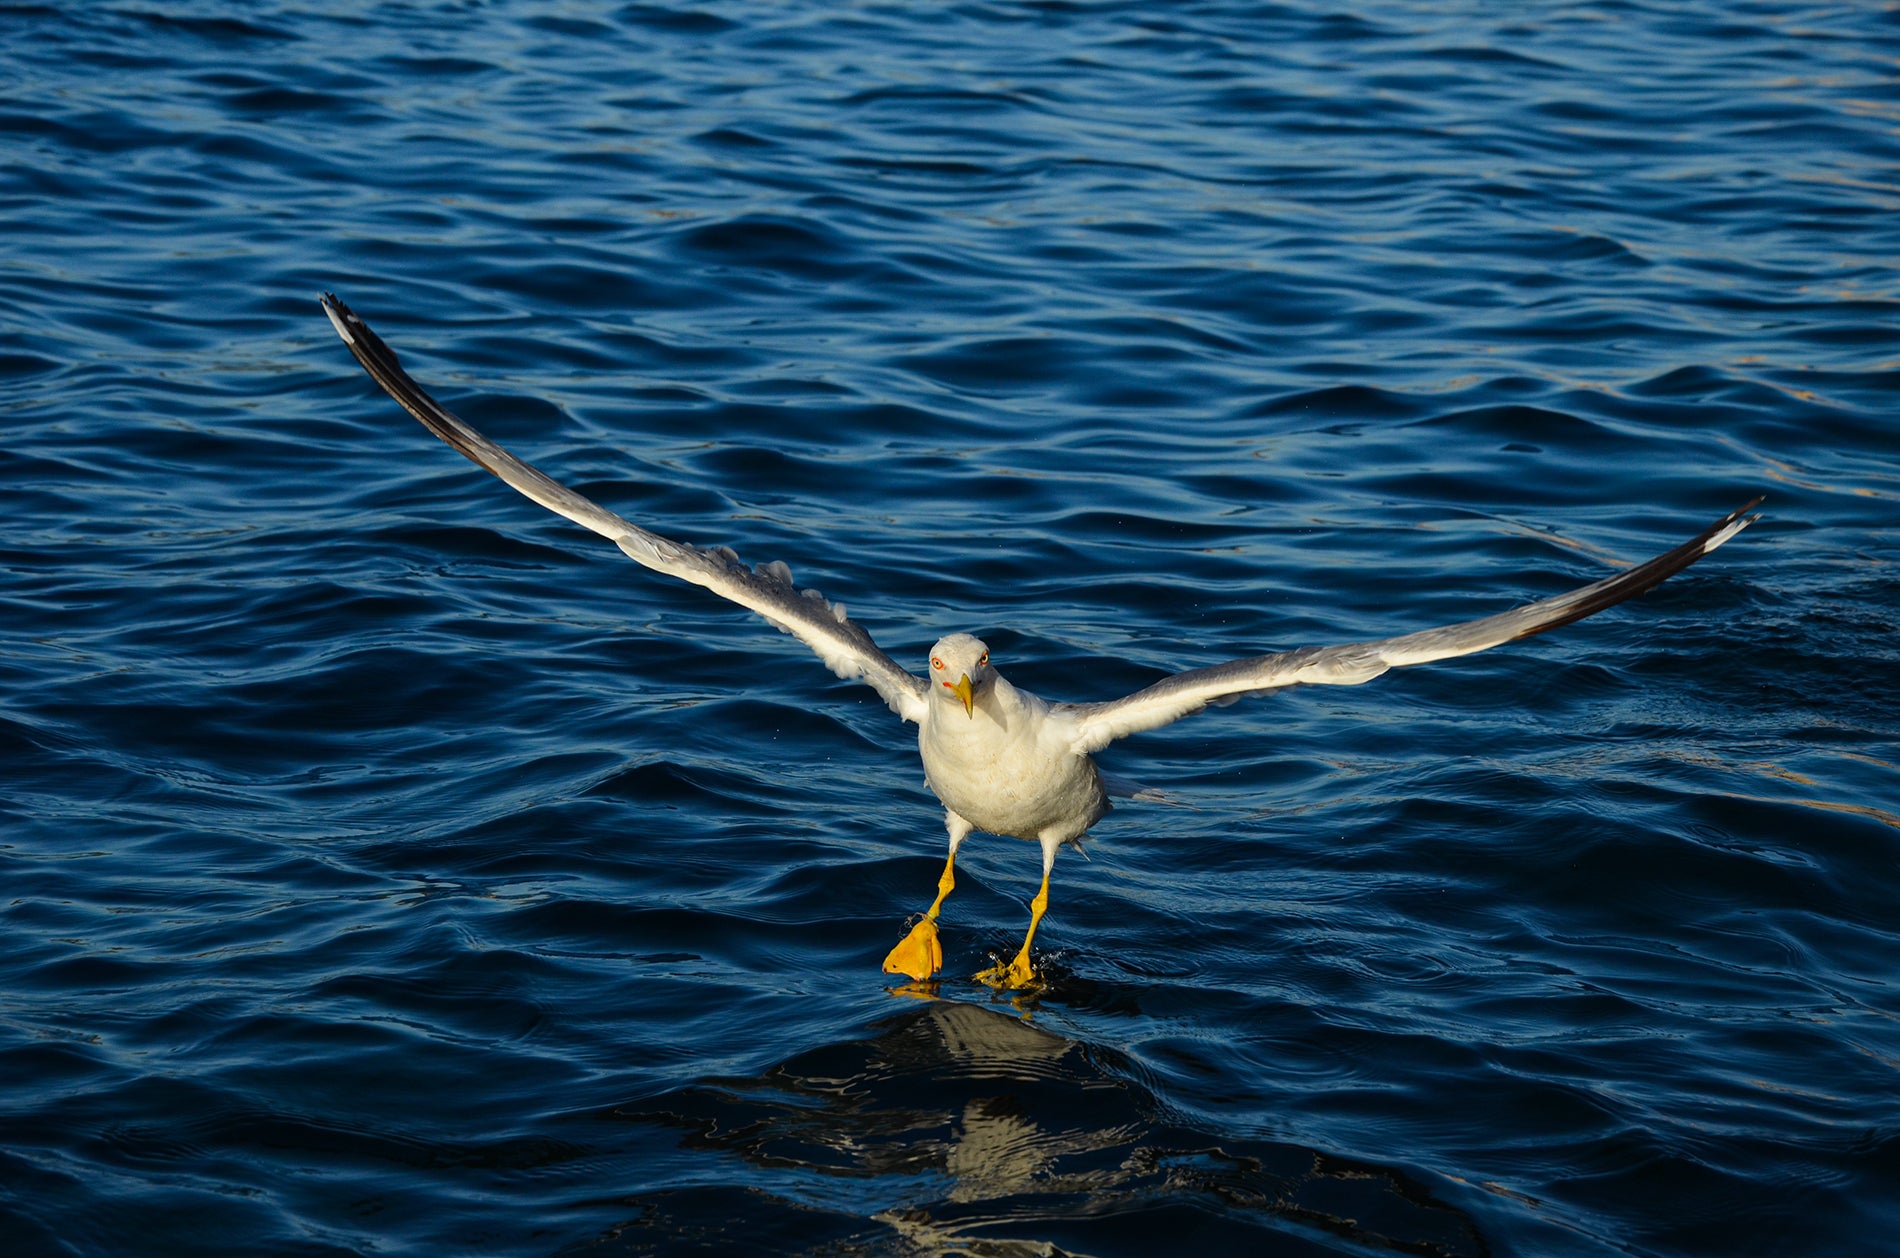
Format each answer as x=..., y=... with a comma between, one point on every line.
x=957, y=1129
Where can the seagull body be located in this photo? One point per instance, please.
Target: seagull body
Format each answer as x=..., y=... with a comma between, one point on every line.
x=1008, y=762
x=1000, y=759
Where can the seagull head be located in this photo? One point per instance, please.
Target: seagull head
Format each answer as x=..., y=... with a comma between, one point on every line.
x=960, y=665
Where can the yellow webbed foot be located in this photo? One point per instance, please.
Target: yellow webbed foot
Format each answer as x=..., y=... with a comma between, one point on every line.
x=1015, y=976
x=919, y=954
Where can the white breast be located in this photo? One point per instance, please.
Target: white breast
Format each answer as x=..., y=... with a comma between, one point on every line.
x=1008, y=768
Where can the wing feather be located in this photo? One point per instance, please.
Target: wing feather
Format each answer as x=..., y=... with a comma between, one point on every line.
x=1183, y=694
x=807, y=615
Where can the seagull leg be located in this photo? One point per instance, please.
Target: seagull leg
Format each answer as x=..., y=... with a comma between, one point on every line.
x=1019, y=973
x=919, y=954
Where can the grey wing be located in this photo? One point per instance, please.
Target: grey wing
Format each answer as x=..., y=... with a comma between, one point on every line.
x=1170, y=699
x=843, y=644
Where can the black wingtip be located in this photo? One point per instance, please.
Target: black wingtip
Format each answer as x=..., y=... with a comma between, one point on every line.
x=343, y=319
x=1644, y=577
x=1741, y=517
x=369, y=349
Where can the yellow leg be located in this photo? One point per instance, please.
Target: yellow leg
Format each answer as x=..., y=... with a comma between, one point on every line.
x=1019, y=973
x=919, y=954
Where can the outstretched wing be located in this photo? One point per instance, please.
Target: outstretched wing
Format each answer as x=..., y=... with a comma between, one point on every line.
x=1168, y=700
x=768, y=590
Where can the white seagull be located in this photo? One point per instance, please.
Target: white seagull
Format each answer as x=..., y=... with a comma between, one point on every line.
x=1002, y=760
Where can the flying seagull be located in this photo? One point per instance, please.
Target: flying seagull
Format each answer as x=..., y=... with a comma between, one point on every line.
x=1001, y=759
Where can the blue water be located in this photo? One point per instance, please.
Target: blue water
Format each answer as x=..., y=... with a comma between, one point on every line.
x=388, y=866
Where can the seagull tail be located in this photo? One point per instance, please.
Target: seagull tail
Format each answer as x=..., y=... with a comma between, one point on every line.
x=1122, y=788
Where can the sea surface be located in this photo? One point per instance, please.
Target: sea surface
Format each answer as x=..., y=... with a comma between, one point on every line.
x=388, y=866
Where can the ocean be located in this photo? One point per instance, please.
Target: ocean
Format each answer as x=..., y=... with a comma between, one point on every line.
x=388, y=866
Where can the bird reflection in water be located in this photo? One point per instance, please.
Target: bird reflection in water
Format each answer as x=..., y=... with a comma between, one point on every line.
x=958, y=1129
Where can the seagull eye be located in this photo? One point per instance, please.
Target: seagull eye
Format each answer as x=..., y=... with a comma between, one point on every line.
x=983, y=659
x=936, y=663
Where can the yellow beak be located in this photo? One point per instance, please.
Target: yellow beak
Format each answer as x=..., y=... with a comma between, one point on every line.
x=964, y=692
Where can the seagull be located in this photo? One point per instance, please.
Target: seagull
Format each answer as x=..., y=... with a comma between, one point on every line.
x=1002, y=760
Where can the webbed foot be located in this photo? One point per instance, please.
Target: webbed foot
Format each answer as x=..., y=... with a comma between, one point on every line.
x=1015, y=976
x=919, y=954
